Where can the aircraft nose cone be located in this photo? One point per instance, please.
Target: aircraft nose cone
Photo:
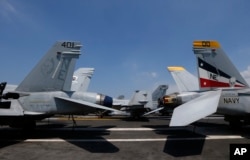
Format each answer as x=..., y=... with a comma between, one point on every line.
x=108, y=101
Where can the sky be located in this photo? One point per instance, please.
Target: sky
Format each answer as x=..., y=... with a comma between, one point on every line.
x=128, y=42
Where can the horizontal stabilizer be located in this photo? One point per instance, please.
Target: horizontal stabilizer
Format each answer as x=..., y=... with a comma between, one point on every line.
x=81, y=103
x=153, y=111
x=196, y=109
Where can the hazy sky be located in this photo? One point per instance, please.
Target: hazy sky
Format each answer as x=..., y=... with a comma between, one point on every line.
x=128, y=42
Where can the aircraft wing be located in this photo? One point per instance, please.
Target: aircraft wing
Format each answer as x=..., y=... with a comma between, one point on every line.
x=84, y=104
x=196, y=109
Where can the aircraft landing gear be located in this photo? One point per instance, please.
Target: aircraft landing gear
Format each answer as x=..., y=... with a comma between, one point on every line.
x=73, y=120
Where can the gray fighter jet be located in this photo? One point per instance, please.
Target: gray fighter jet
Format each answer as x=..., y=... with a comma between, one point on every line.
x=47, y=90
x=222, y=89
x=140, y=103
x=188, y=89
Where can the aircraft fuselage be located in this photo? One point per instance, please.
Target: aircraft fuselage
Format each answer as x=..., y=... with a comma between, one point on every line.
x=234, y=102
x=47, y=103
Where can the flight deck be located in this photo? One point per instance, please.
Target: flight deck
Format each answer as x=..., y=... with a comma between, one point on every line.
x=121, y=138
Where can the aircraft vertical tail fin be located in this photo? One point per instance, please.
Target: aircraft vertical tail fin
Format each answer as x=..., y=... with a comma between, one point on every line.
x=54, y=71
x=184, y=80
x=139, y=98
x=81, y=79
x=148, y=99
x=215, y=69
x=158, y=93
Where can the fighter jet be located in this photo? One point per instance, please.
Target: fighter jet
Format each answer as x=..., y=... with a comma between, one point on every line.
x=187, y=85
x=140, y=103
x=222, y=89
x=46, y=90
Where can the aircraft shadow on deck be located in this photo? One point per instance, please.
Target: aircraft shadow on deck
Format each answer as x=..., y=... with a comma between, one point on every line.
x=189, y=141
x=225, y=129
x=10, y=136
x=180, y=142
x=132, y=119
x=179, y=146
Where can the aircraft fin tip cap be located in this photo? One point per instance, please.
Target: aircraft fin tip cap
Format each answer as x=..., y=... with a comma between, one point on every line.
x=206, y=44
x=175, y=68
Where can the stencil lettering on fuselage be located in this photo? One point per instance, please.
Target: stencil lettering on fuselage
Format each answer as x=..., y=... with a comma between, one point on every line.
x=231, y=100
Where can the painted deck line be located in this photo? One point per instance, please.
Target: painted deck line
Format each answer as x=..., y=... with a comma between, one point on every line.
x=112, y=129
x=99, y=129
x=96, y=118
x=227, y=137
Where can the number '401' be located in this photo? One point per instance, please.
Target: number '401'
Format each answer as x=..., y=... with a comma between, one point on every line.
x=68, y=44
